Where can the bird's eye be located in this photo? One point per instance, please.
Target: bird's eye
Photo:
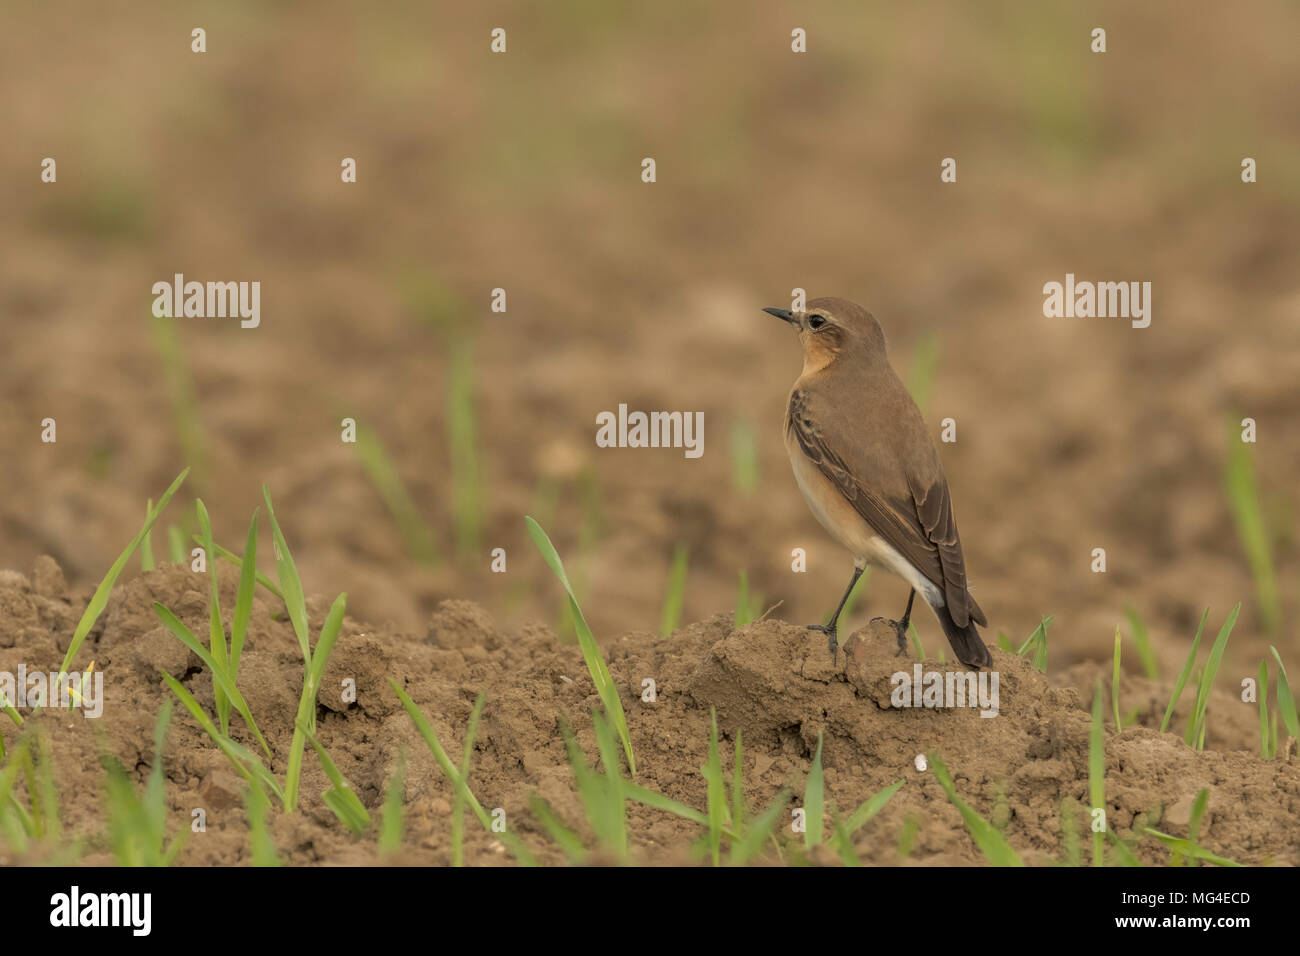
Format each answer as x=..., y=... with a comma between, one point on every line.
x=816, y=321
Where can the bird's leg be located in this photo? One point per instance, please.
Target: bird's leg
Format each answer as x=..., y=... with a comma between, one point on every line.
x=831, y=630
x=901, y=626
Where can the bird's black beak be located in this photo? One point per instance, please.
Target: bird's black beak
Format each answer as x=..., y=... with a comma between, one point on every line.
x=784, y=314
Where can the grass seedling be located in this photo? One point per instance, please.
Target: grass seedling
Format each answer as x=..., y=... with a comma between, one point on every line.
x=1196, y=727
x=340, y=798
x=672, y=613
x=184, y=404
x=1180, y=849
x=222, y=679
x=100, y=598
x=907, y=835
x=1097, y=774
x=1142, y=639
x=225, y=554
x=748, y=606
x=1038, y=641
x=990, y=842
x=146, y=545
x=256, y=808
x=715, y=791
x=383, y=474
x=391, y=823
x=596, y=666
x=246, y=763
x=137, y=823
x=1186, y=672
x=1243, y=497
x=458, y=800
x=313, y=661
x=842, y=830
x=916, y=640
x=216, y=630
x=1285, y=702
x=462, y=437
x=1114, y=684
x=453, y=776
x=744, y=457
x=176, y=544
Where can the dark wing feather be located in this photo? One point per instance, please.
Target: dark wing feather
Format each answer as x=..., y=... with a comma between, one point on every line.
x=919, y=526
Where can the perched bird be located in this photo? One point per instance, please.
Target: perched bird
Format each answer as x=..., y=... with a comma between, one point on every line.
x=867, y=468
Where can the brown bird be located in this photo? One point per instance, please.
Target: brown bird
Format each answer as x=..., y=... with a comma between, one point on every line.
x=867, y=468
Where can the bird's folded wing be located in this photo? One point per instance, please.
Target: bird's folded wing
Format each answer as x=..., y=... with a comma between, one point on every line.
x=919, y=526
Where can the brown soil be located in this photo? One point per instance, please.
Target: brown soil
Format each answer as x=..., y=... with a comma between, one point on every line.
x=773, y=681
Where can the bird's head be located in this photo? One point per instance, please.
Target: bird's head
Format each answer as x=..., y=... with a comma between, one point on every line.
x=831, y=328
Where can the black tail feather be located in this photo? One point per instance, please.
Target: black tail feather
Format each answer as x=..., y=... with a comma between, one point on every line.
x=966, y=642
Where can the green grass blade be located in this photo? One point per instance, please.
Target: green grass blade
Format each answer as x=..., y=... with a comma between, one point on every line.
x=341, y=799
x=1184, y=674
x=227, y=555
x=1285, y=700
x=658, y=801
x=613, y=780
x=745, y=849
x=1196, y=731
x=388, y=482
x=220, y=676
x=871, y=806
x=1142, y=638
x=458, y=800
x=244, y=761
x=516, y=846
x=596, y=666
x=146, y=545
x=256, y=808
x=990, y=842
x=1123, y=854
x=244, y=596
x=673, y=599
x=1243, y=497
x=715, y=791
x=566, y=839
x=176, y=545
x=392, y=823
x=466, y=463
x=843, y=840
x=295, y=601
x=216, y=629
x=1187, y=848
x=100, y=598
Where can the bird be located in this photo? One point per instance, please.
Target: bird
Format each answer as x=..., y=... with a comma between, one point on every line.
x=870, y=473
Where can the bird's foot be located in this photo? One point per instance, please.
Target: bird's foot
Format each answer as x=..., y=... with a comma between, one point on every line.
x=832, y=638
x=900, y=631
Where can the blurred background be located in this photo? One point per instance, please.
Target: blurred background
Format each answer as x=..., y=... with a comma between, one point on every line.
x=775, y=170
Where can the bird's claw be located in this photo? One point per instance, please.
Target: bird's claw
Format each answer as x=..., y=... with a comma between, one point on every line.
x=900, y=630
x=832, y=638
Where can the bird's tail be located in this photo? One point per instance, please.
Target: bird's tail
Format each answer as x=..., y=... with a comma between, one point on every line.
x=965, y=641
